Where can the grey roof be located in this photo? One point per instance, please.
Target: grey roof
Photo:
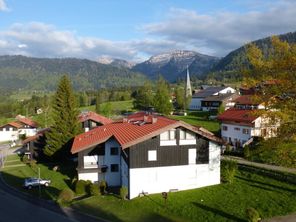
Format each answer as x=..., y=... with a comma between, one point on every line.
x=208, y=91
x=221, y=97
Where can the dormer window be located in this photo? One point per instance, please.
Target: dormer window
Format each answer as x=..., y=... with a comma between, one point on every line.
x=187, y=137
x=168, y=138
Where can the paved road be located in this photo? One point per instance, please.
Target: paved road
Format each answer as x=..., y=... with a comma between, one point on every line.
x=261, y=165
x=16, y=206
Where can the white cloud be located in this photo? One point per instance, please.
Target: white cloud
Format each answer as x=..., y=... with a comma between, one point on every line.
x=213, y=34
x=3, y=6
x=222, y=32
x=42, y=40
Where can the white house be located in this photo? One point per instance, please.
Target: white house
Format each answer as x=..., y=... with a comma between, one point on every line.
x=197, y=98
x=12, y=131
x=238, y=126
x=149, y=154
x=9, y=132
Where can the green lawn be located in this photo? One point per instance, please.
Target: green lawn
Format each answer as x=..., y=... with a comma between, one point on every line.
x=199, y=118
x=225, y=202
x=117, y=106
x=60, y=180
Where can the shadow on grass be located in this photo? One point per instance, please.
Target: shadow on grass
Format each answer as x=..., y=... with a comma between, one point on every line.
x=221, y=213
x=156, y=218
x=251, y=181
x=96, y=211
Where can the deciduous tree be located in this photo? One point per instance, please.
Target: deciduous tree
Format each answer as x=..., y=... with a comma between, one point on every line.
x=162, y=98
x=274, y=76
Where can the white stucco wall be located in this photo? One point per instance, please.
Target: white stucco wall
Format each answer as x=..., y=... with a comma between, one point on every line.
x=195, y=103
x=163, y=179
x=8, y=135
x=112, y=178
x=226, y=90
x=235, y=134
x=28, y=132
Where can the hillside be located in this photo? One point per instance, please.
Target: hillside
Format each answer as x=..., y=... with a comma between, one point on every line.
x=173, y=65
x=20, y=72
x=235, y=59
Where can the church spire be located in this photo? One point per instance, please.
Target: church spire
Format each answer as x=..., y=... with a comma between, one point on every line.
x=188, y=90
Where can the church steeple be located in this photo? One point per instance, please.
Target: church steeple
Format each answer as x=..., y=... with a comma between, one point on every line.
x=188, y=90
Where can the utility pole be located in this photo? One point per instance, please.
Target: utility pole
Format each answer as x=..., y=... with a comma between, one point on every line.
x=39, y=182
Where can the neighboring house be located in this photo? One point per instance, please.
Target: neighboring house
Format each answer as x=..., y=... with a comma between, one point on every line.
x=90, y=120
x=197, y=98
x=239, y=126
x=149, y=154
x=247, y=102
x=9, y=131
x=214, y=102
x=13, y=130
x=29, y=127
x=33, y=145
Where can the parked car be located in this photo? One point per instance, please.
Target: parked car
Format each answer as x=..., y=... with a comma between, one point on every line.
x=34, y=182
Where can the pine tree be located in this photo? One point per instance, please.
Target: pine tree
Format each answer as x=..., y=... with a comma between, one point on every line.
x=162, y=97
x=65, y=120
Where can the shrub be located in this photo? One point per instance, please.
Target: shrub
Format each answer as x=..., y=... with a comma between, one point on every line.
x=33, y=164
x=123, y=192
x=80, y=187
x=93, y=189
x=25, y=159
x=65, y=196
x=252, y=215
x=247, y=152
x=103, y=186
x=228, y=170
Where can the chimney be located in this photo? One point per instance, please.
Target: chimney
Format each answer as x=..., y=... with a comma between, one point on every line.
x=154, y=119
x=145, y=118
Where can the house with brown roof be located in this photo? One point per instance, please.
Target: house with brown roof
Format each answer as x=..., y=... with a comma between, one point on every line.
x=248, y=102
x=238, y=126
x=149, y=154
x=90, y=120
x=22, y=126
x=215, y=101
x=198, y=97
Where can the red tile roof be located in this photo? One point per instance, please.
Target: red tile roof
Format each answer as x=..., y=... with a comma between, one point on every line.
x=14, y=124
x=238, y=115
x=27, y=121
x=245, y=100
x=94, y=117
x=132, y=130
x=38, y=134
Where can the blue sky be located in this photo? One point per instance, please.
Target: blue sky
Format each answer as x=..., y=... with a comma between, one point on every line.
x=135, y=29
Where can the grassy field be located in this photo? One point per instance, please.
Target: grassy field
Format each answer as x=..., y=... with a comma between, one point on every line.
x=14, y=175
x=225, y=202
x=199, y=118
x=116, y=106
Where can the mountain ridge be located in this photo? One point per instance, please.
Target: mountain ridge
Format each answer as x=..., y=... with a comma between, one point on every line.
x=172, y=65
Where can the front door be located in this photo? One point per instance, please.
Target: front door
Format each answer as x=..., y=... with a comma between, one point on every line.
x=192, y=156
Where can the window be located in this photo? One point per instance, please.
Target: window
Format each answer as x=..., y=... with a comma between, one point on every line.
x=186, y=135
x=237, y=128
x=114, y=168
x=114, y=151
x=246, y=131
x=168, y=135
x=224, y=128
x=152, y=155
